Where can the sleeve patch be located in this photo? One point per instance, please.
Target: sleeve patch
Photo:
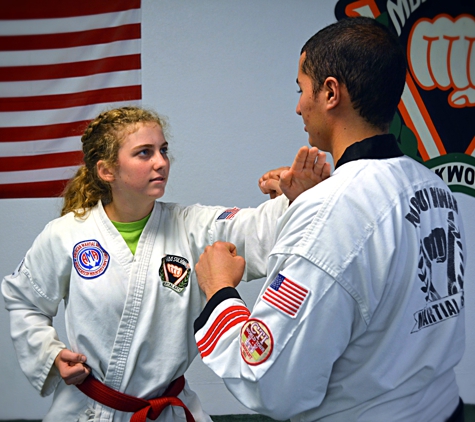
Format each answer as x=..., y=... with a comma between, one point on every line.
x=228, y=214
x=285, y=295
x=256, y=342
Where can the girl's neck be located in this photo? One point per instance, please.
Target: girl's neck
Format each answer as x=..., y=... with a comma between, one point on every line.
x=127, y=214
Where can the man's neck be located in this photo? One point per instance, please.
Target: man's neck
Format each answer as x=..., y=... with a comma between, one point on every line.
x=348, y=134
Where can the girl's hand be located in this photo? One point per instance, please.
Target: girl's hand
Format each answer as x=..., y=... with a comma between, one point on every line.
x=269, y=182
x=308, y=169
x=72, y=367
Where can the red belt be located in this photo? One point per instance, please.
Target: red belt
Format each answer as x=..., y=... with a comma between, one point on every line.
x=141, y=408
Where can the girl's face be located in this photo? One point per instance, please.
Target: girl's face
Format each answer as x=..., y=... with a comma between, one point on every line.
x=142, y=167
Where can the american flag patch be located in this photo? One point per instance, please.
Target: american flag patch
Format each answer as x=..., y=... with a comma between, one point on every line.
x=228, y=214
x=285, y=295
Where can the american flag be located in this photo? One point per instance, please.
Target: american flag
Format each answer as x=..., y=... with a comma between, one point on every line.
x=228, y=214
x=286, y=295
x=61, y=64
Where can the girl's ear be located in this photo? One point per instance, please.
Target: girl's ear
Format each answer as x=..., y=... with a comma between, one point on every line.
x=104, y=172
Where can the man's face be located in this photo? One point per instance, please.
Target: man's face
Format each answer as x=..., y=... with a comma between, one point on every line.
x=311, y=108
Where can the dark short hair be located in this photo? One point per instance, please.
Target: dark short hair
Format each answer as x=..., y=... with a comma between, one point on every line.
x=367, y=58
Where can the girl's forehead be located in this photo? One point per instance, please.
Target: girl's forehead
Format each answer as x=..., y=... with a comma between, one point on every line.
x=132, y=128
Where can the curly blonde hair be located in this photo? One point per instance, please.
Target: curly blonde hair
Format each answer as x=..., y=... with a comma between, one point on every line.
x=101, y=141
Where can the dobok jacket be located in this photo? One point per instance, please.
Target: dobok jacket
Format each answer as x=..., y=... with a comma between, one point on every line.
x=361, y=317
x=130, y=315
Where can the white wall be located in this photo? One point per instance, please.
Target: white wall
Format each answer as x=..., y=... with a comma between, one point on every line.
x=223, y=71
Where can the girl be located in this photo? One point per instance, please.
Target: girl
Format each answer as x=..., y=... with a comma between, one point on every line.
x=123, y=263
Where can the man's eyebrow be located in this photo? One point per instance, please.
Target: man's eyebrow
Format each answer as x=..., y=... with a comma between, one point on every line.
x=297, y=80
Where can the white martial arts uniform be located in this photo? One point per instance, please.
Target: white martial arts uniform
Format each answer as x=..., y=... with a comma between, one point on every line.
x=130, y=315
x=362, y=314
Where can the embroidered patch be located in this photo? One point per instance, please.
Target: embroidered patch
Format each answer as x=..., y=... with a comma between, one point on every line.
x=285, y=295
x=256, y=342
x=90, y=259
x=228, y=214
x=175, y=272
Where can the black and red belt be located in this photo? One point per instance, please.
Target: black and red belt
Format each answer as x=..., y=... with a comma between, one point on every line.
x=141, y=408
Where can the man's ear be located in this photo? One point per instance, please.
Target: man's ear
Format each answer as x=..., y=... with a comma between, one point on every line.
x=104, y=172
x=332, y=92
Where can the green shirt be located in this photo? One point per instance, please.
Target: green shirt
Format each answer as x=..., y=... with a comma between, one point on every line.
x=131, y=231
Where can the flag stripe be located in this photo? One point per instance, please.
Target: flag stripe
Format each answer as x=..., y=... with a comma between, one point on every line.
x=78, y=55
x=69, y=70
x=40, y=147
x=269, y=294
x=69, y=85
x=279, y=304
x=66, y=25
x=72, y=114
x=47, y=189
x=71, y=39
x=47, y=102
x=37, y=162
x=34, y=9
x=57, y=130
x=39, y=175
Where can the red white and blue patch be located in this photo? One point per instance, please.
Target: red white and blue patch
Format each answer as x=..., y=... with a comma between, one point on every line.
x=285, y=295
x=228, y=214
x=256, y=342
x=90, y=259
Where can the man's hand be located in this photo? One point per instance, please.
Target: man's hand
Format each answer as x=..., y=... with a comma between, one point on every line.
x=308, y=169
x=219, y=266
x=72, y=367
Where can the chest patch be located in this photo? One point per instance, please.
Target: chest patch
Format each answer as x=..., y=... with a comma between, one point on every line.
x=90, y=259
x=175, y=272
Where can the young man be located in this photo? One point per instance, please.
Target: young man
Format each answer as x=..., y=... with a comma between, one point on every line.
x=362, y=314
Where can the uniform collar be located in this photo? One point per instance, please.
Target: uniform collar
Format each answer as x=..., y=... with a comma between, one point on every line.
x=377, y=147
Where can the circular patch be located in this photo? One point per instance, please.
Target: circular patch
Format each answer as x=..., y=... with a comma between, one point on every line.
x=90, y=259
x=256, y=342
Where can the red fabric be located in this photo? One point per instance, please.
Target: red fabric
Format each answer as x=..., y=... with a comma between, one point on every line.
x=142, y=408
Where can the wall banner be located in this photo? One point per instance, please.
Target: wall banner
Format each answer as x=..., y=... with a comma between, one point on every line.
x=435, y=123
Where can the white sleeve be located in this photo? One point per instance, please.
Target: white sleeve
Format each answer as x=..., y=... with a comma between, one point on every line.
x=301, y=323
x=252, y=230
x=32, y=295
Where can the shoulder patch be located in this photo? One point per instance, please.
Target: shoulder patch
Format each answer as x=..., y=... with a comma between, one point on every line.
x=256, y=342
x=228, y=214
x=285, y=295
x=175, y=272
x=90, y=259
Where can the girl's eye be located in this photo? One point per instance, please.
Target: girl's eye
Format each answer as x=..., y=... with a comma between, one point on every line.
x=299, y=91
x=144, y=152
x=164, y=150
